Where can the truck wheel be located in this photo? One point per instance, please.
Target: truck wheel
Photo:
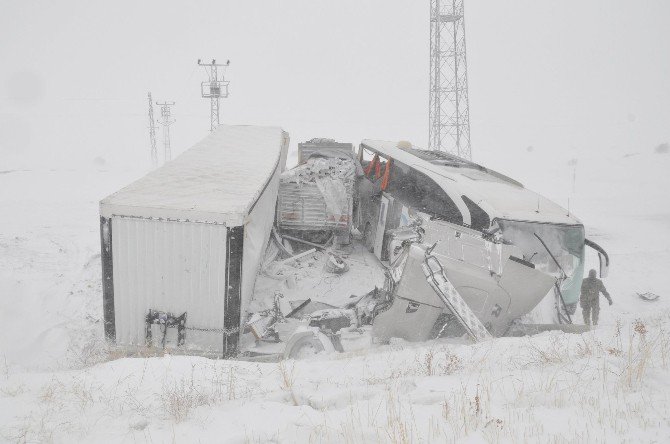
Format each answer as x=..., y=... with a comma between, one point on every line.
x=368, y=239
x=307, y=344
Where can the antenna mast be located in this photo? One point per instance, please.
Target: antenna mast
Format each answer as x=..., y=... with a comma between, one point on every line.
x=448, y=108
x=166, y=121
x=214, y=89
x=152, y=133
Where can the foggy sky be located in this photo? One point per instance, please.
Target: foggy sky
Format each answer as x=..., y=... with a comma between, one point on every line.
x=563, y=77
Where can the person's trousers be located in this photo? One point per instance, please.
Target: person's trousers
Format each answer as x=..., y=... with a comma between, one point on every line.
x=591, y=312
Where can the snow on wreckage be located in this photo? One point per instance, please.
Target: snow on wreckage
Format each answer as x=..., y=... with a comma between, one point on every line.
x=500, y=244
x=464, y=249
x=441, y=246
x=181, y=246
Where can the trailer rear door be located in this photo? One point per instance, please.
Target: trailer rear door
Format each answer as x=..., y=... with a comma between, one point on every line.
x=173, y=267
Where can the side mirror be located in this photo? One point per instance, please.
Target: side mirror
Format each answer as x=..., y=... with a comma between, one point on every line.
x=604, y=265
x=603, y=257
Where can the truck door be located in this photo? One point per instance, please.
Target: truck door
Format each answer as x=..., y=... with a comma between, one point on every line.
x=384, y=208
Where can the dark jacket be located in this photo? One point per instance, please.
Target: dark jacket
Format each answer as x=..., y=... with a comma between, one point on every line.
x=591, y=289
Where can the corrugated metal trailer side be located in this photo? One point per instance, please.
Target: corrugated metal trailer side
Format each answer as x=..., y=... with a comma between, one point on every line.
x=181, y=247
x=176, y=267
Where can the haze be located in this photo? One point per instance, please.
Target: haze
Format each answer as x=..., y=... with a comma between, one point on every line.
x=566, y=76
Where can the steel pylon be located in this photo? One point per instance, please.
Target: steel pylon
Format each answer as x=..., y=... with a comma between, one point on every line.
x=449, y=114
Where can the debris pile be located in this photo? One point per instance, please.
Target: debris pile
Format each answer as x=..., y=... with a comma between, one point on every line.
x=317, y=168
x=418, y=272
x=317, y=195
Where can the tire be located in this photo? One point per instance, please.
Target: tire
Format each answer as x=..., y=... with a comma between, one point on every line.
x=306, y=348
x=307, y=344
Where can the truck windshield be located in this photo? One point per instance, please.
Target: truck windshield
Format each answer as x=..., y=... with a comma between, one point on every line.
x=566, y=243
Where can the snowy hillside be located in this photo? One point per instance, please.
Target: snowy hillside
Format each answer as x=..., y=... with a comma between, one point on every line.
x=58, y=382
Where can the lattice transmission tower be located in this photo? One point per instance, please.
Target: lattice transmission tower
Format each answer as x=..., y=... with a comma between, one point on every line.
x=214, y=89
x=152, y=133
x=166, y=121
x=449, y=127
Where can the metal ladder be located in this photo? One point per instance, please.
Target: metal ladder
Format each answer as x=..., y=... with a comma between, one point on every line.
x=437, y=279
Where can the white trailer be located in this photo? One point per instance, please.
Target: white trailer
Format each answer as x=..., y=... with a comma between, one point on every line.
x=181, y=246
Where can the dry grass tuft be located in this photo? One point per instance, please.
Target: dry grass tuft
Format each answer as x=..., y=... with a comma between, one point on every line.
x=287, y=379
x=178, y=399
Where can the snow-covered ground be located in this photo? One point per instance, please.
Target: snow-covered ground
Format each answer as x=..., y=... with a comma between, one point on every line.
x=58, y=383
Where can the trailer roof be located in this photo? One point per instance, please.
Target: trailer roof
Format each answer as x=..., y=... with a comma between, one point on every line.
x=498, y=195
x=217, y=181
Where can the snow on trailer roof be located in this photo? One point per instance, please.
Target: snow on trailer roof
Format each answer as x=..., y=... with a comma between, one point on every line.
x=218, y=180
x=500, y=196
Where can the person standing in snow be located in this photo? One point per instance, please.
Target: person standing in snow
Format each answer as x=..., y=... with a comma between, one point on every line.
x=590, y=297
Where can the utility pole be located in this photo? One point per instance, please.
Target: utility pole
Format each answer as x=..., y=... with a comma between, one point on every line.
x=152, y=133
x=448, y=108
x=214, y=89
x=166, y=121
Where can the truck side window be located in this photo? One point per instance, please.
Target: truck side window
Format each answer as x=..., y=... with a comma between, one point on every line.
x=420, y=192
x=480, y=218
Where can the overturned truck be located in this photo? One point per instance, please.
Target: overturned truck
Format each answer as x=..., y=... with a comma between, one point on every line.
x=497, y=240
x=463, y=246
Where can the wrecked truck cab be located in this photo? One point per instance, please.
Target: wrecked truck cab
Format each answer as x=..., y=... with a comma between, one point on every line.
x=464, y=250
x=479, y=218
x=497, y=284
